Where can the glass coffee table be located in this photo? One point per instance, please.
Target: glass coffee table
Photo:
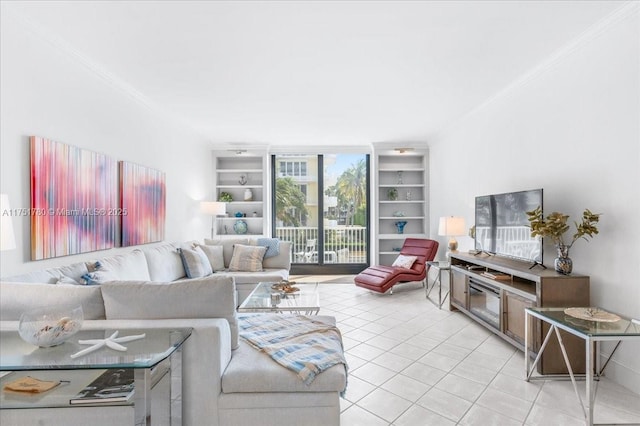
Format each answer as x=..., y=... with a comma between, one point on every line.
x=266, y=299
x=151, y=358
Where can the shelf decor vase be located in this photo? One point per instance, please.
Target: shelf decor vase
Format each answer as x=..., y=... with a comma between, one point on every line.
x=392, y=194
x=248, y=195
x=563, y=263
x=400, y=226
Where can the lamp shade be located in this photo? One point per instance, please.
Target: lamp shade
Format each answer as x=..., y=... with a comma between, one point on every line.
x=213, y=208
x=7, y=238
x=451, y=226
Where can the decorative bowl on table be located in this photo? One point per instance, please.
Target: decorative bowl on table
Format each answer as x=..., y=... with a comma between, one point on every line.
x=50, y=326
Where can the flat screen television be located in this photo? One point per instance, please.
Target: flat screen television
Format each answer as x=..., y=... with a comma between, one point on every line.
x=502, y=225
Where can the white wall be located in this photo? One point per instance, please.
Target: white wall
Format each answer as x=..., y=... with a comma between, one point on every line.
x=46, y=91
x=574, y=130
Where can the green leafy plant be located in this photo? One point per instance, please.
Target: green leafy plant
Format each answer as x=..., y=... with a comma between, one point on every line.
x=555, y=225
x=225, y=197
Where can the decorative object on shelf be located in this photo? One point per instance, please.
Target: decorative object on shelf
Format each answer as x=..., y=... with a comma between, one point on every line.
x=214, y=209
x=50, y=326
x=555, y=225
x=400, y=226
x=398, y=213
x=225, y=197
x=451, y=226
x=238, y=214
x=254, y=214
x=399, y=177
x=592, y=314
x=243, y=179
x=240, y=227
x=392, y=194
x=112, y=342
x=248, y=195
x=408, y=196
x=396, y=249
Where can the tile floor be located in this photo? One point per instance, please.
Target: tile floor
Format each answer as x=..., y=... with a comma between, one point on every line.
x=412, y=364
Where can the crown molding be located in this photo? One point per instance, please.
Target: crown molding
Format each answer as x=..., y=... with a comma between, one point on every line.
x=61, y=45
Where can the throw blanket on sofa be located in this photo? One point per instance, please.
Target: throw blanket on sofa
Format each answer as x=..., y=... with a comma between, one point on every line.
x=296, y=342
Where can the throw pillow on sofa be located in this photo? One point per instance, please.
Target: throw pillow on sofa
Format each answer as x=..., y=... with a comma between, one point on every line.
x=215, y=256
x=195, y=262
x=247, y=258
x=272, y=245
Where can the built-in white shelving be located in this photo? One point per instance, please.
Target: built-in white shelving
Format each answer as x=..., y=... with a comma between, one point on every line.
x=406, y=173
x=237, y=172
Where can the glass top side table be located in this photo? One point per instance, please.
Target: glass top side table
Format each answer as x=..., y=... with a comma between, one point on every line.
x=592, y=332
x=151, y=358
x=440, y=265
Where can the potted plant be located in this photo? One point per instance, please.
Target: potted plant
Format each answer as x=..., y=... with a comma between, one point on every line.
x=225, y=197
x=555, y=225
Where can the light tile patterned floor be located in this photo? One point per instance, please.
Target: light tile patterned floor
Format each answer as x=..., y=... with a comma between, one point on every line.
x=413, y=364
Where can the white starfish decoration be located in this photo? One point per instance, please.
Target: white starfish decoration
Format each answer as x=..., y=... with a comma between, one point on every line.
x=112, y=342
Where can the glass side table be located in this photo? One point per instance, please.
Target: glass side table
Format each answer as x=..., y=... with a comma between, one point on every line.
x=151, y=358
x=440, y=265
x=593, y=332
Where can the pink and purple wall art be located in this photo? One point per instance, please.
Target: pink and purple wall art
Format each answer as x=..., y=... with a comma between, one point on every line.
x=74, y=200
x=143, y=202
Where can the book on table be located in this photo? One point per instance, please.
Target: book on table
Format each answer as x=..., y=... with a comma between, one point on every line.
x=115, y=385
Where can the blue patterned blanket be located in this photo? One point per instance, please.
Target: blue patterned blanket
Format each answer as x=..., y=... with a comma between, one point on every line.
x=299, y=343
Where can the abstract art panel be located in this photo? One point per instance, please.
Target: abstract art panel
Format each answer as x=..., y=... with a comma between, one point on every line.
x=74, y=200
x=143, y=202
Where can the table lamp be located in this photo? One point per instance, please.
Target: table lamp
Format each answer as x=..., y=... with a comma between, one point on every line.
x=215, y=209
x=451, y=226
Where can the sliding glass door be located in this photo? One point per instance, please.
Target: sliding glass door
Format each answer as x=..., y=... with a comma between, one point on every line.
x=321, y=206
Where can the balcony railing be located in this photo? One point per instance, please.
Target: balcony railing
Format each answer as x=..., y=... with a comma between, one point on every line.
x=342, y=244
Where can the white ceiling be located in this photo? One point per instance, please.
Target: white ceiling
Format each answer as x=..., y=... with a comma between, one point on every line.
x=321, y=72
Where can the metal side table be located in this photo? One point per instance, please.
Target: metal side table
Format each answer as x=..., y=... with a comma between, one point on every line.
x=593, y=332
x=440, y=265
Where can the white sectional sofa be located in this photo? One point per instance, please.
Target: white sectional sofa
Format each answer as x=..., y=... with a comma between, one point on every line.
x=225, y=381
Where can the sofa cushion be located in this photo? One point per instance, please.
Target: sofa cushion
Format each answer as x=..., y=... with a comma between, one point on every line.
x=164, y=263
x=282, y=260
x=272, y=245
x=247, y=258
x=208, y=297
x=100, y=276
x=215, y=256
x=128, y=266
x=52, y=275
x=195, y=261
x=253, y=371
x=16, y=298
x=227, y=247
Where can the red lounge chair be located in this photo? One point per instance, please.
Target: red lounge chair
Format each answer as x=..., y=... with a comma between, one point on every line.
x=382, y=278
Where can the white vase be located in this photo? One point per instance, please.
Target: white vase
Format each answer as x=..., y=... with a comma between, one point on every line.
x=248, y=195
